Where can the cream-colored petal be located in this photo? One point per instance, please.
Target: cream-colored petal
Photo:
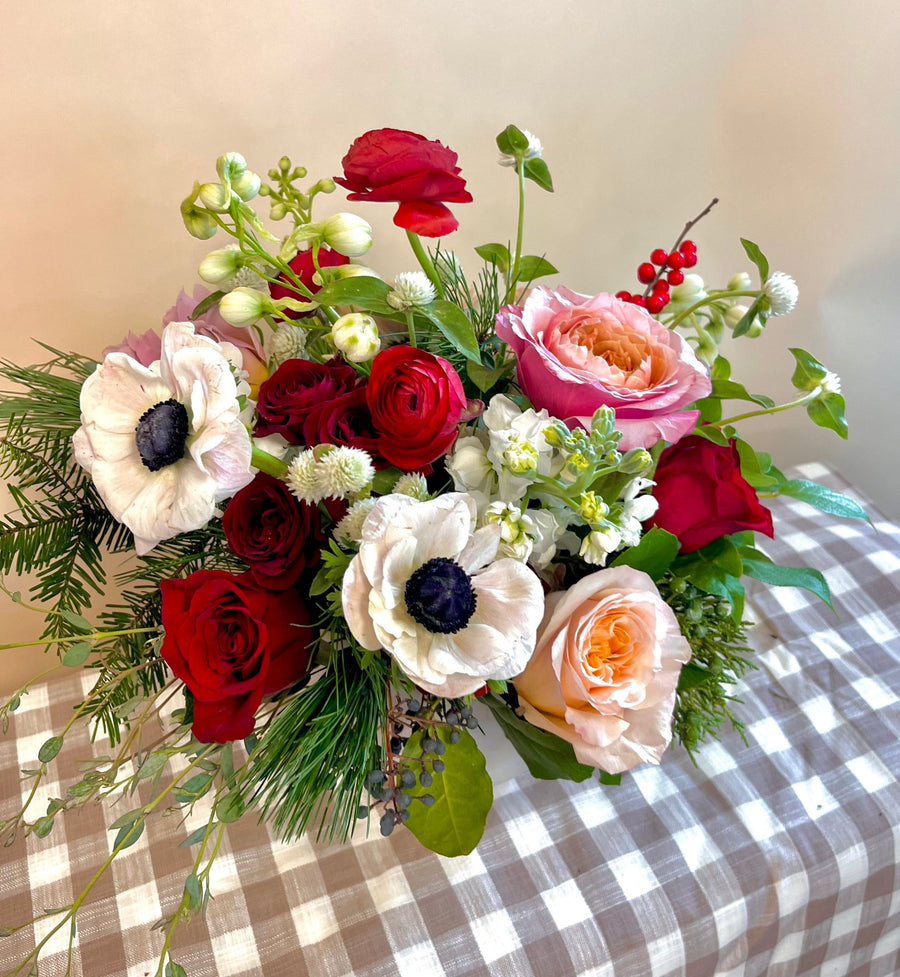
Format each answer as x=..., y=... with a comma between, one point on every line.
x=355, y=601
x=115, y=396
x=481, y=548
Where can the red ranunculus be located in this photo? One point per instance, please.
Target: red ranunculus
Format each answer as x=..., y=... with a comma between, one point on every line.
x=278, y=535
x=303, y=267
x=416, y=400
x=703, y=496
x=293, y=390
x=403, y=167
x=231, y=643
x=344, y=421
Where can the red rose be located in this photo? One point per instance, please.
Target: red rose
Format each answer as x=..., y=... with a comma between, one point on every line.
x=278, y=535
x=303, y=267
x=231, y=643
x=703, y=496
x=344, y=421
x=416, y=400
x=405, y=168
x=293, y=390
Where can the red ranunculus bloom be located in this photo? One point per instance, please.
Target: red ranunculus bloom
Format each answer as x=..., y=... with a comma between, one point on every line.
x=293, y=390
x=278, y=535
x=703, y=496
x=403, y=167
x=303, y=267
x=416, y=400
x=344, y=421
x=231, y=643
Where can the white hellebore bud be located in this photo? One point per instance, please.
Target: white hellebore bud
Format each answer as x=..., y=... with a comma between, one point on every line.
x=247, y=185
x=215, y=197
x=243, y=306
x=691, y=290
x=782, y=292
x=347, y=234
x=356, y=336
x=411, y=288
x=219, y=266
x=740, y=282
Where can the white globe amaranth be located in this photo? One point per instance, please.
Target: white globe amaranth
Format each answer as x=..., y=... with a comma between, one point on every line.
x=287, y=342
x=782, y=292
x=304, y=478
x=349, y=529
x=411, y=289
x=345, y=471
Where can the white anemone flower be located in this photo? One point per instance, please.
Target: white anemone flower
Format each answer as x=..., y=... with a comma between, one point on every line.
x=427, y=587
x=164, y=444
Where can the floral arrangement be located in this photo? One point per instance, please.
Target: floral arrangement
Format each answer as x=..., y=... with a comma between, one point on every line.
x=364, y=514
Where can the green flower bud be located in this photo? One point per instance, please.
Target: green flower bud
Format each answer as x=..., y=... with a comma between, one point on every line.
x=243, y=306
x=347, y=234
x=337, y=273
x=247, y=185
x=284, y=164
x=198, y=223
x=740, y=282
x=603, y=423
x=278, y=211
x=734, y=314
x=219, y=266
x=635, y=461
x=325, y=185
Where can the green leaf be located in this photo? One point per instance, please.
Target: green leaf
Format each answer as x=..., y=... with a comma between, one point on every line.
x=137, y=828
x=758, y=258
x=230, y=808
x=50, y=749
x=196, y=787
x=693, y=675
x=751, y=467
x=195, y=837
x=711, y=434
x=538, y=171
x=463, y=795
x=455, y=326
x=533, y=266
x=14, y=703
x=362, y=291
x=512, y=140
x=809, y=372
x=126, y=820
x=547, y=757
x=824, y=499
x=205, y=305
x=175, y=970
x=653, y=554
x=226, y=764
x=484, y=377
x=192, y=891
x=77, y=654
x=495, y=254
x=732, y=390
x=610, y=779
x=721, y=368
x=746, y=321
x=43, y=826
x=152, y=766
x=760, y=567
x=77, y=621
x=828, y=411
x=710, y=410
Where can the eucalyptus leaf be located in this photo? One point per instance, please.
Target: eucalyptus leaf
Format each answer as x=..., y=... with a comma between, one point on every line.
x=192, y=891
x=653, y=554
x=134, y=830
x=126, y=820
x=77, y=654
x=43, y=826
x=195, y=837
x=50, y=749
x=463, y=795
x=175, y=970
x=547, y=756
x=77, y=621
x=152, y=766
x=758, y=258
x=230, y=808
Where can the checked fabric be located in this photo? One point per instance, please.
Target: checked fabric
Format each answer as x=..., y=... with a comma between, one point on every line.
x=778, y=858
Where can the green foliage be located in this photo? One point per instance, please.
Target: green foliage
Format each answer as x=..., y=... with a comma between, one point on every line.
x=822, y=498
x=496, y=254
x=653, y=554
x=310, y=763
x=547, y=757
x=454, y=326
x=537, y=171
x=463, y=795
x=756, y=564
x=758, y=258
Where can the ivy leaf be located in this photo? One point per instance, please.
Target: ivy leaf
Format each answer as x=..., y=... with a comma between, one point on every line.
x=495, y=254
x=533, y=266
x=455, y=326
x=463, y=795
x=758, y=258
x=653, y=554
x=538, y=171
x=824, y=499
x=809, y=372
x=760, y=567
x=828, y=411
x=547, y=756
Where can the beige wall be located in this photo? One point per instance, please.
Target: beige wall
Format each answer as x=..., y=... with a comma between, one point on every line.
x=787, y=111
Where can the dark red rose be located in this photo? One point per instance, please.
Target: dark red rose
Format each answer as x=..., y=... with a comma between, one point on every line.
x=277, y=534
x=703, y=496
x=303, y=267
x=416, y=400
x=403, y=167
x=344, y=421
x=231, y=643
x=295, y=389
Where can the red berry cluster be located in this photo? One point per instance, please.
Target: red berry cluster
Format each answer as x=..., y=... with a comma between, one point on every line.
x=650, y=273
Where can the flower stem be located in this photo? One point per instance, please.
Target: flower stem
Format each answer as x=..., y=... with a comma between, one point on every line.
x=771, y=410
x=520, y=229
x=426, y=263
x=411, y=328
x=268, y=463
x=708, y=300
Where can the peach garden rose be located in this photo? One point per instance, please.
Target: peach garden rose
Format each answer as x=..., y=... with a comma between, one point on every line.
x=604, y=671
x=577, y=353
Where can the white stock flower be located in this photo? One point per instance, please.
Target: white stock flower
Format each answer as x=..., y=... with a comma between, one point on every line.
x=411, y=289
x=637, y=509
x=164, y=444
x=471, y=470
x=782, y=292
x=430, y=591
x=598, y=544
x=518, y=448
x=515, y=539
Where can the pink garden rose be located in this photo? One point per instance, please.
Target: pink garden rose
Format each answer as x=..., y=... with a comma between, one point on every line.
x=604, y=671
x=145, y=348
x=577, y=353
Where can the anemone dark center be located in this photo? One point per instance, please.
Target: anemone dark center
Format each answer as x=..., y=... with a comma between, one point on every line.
x=161, y=434
x=440, y=597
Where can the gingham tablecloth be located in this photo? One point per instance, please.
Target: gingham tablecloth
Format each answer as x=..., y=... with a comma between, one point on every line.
x=779, y=858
